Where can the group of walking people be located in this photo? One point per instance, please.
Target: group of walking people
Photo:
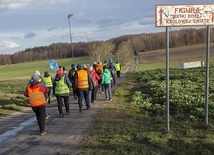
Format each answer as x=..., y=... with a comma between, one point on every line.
x=85, y=81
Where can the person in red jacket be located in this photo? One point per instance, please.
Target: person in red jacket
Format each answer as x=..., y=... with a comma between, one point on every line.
x=96, y=79
x=35, y=93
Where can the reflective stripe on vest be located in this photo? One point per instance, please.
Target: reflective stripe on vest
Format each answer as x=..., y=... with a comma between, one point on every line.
x=47, y=81
x=36, y=97
x=82, y=79
x=117, y=66
x=61, y=87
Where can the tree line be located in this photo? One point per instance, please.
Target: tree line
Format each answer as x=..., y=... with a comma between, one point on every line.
x=124, y=47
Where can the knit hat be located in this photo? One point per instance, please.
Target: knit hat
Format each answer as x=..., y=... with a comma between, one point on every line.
x=79, y=66
x=84, y=66
x=73, y=66
x=36, y=78
x=91, y=68
x=37, y=72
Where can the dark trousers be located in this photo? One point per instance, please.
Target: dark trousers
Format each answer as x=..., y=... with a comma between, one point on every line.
x=74, y=92
x=80, y=94
x=40, y=115
x=118, y=74
x=100, y=85
x=94, y=94
x=60, y=102
x=48, y=95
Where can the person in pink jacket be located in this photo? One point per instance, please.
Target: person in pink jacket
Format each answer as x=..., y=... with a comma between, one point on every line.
x=96, y=78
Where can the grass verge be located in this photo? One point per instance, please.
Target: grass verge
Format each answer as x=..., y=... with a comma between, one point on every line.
x=12, y=96
x=124, y=129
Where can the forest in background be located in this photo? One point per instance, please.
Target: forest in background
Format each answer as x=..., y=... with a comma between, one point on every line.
x=123, y=47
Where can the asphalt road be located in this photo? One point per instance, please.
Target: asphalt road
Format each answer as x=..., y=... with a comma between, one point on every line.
x=19, y=132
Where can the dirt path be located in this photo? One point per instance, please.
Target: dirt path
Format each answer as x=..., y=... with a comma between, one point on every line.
x=19, y=132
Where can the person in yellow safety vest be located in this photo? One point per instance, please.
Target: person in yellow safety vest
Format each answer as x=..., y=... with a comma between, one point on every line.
x=35, y=93
x=61, y=89
x=82, y=85
x=118, y=68
x=48, y=82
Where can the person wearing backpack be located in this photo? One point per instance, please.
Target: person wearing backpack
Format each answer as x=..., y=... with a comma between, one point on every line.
x=112, y=65
x=71, y=78
x=113, y=79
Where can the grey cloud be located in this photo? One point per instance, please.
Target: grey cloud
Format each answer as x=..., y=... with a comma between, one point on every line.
x=147, y=21
x=84, y=21
x=51, y=29
x=13, y=38
x=30, y=35
x=3, y=8
x=109, y=22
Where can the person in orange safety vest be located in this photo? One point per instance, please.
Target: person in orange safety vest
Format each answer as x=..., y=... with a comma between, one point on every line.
x=82, y=85
x=35, y=93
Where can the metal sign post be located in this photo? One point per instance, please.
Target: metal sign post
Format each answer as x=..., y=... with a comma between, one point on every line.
x=167, y=79
x=185, y=15
x=207, y=75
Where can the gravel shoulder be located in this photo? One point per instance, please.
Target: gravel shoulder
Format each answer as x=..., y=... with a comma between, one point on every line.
x=20, y=132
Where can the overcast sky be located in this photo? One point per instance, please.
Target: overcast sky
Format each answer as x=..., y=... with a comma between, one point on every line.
x=33, y=23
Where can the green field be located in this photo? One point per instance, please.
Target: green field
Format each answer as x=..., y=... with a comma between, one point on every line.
x=172, y=64
x=25, y=70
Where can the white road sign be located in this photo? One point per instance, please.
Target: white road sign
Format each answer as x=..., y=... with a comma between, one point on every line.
x=184, y=15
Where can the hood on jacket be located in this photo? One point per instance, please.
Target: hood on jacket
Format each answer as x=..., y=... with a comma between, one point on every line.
x=73, y=66
x=46, y=74
x=110, y=60
x=35, y=79
x=37, y=72
x=59, y=75
x=106, y=70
